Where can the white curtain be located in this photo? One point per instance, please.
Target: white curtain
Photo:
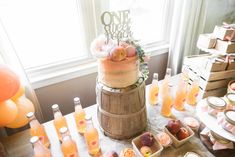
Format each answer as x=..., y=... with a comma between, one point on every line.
x=188, y=22
x=9, y=57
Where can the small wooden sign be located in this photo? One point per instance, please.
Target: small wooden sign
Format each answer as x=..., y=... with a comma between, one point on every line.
x=117, y=24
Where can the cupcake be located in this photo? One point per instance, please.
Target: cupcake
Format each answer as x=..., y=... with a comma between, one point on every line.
x=164, y=139
x=192, y=123
x=127, y=152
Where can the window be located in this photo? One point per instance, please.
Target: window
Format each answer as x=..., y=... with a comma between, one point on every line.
x=147, y=17
x=52, y=37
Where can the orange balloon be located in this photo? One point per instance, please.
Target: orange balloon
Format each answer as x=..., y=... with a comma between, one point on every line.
x=19, y=93
x=24, y=106
x=9, y=83
x=8, y=112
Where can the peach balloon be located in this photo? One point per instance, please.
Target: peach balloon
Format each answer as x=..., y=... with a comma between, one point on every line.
x=9, y=83
x=8, y=112
x=19, y=93
x=24, y=106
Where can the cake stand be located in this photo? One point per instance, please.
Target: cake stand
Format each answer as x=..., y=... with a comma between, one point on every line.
x=211, y=123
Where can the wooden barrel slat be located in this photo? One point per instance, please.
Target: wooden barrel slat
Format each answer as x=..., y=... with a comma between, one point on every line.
x=122, y=112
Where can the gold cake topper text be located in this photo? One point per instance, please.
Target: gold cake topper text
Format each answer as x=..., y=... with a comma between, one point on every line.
x=117, y=25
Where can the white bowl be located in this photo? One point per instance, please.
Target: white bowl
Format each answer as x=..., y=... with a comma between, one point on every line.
x=156, y=148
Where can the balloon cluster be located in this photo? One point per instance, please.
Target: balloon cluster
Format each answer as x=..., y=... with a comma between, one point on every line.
x=13, y=104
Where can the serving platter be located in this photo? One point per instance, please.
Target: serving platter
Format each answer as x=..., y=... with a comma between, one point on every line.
x=210, y=121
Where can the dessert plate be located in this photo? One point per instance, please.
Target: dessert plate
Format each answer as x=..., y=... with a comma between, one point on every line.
x=211, y=122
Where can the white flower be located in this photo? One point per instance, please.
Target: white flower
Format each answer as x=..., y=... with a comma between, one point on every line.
x=99, y=47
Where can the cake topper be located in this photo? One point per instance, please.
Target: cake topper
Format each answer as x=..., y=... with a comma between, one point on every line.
x=117, y=25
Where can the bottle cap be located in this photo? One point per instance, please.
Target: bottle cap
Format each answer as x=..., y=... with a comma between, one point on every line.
x=155, y=75
x=76, y=99
x=34, y=139
x=168, y=71
x=55, y=106
x=30, y=115
x=88, y=117
x=63, y=130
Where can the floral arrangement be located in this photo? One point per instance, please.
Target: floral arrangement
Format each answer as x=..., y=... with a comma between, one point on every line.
x=117, y=44
x=117, y=52
x=100, y=48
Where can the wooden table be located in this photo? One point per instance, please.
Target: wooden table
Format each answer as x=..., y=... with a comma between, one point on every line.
x=18, y=144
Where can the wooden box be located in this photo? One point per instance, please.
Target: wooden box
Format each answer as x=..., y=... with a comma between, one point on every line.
x=206, y=41
x=225, y=46
x=223, y=33
x=205, y=62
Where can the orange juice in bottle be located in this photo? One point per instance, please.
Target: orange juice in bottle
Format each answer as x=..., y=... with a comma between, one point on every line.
x=59, y=120
x=79, y=116
x=153, y=90
x=193, y=92
x=36, y=129
x=91, y=137
x=39, y=149
x=165, y=83
x=68, y=145
x=167, y=102
x=180, y=95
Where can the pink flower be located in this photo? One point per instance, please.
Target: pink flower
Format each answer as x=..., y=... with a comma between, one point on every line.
x=99, y=48
x=146, y=58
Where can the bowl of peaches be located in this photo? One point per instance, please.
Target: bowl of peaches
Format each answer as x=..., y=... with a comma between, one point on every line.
x=179, y=132
x=146, y=145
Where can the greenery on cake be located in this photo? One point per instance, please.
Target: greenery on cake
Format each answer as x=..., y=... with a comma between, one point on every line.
x=140, y=52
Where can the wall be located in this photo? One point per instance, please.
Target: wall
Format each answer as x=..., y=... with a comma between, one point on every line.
x=84, y=87
x=219, y=11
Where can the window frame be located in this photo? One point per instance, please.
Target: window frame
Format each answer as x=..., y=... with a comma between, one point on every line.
x=53, y=73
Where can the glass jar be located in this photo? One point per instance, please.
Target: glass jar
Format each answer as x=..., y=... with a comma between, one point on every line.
x=228, y=123
x=231, y=101
x=214, y=137
x=215, y=105
x=191, y=154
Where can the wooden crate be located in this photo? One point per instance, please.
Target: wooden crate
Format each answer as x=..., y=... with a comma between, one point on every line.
x=206, y=63
x=220, y=92
x=213, y=76
x=210, y=88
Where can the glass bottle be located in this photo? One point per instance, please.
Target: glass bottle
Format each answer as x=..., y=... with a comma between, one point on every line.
x=68, y=145
x=79, y=116
x=59, y=120
x=167, y=101
x=39, y=149
x=180, y=95
x=166, y=83
x=91, y=137
x=36, y=129
x=154, y=90
x=193, y=92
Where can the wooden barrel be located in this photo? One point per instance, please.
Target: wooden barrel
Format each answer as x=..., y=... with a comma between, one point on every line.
x=122, y=112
